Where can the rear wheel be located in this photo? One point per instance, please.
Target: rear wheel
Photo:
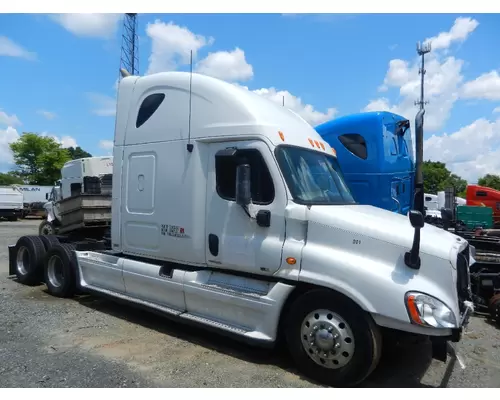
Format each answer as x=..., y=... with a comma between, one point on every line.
x=49, y=241
x=331, y=339
x=29, y=260
x=61, y=270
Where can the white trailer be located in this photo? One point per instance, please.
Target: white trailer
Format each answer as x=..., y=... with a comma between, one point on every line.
x=11, y=203
x=231, y=212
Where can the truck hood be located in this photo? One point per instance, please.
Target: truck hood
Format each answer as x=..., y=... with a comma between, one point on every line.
x=385, y=226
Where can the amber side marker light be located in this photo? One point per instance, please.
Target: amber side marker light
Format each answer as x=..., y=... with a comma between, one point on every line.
x=412, y=308
x=291, y=261
x=281, y=135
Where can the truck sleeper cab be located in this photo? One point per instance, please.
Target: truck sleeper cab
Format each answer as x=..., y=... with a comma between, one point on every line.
x=376, y=155
x=240, y=220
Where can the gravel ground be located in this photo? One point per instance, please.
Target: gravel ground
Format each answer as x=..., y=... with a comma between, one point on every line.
x=91, y=342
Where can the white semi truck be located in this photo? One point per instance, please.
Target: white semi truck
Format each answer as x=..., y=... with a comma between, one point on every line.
x=230, y=212
x=80, y=179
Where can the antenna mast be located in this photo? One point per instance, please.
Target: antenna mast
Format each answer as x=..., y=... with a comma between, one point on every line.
x=422, y=50
x=129, y=59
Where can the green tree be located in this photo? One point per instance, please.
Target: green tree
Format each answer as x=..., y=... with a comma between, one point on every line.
x=490, y=180
x=10, y=178
x=437, y=177
x=77, y=152
x=458, y=183
x=39, y=159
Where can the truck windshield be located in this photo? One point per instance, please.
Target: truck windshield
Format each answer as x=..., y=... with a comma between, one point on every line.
x=313, y=178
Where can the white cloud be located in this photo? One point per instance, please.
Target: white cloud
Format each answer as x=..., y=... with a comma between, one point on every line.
x=172, y=45
x=470, y=152
x=442, y=83
x=443, y=79
x=459, y=32
x=486, y=86
x=496, y=110
x=11, y=49
x=226, y=65
x=105, y=106
x=102, y=26
x=9, y=120
x=306, y=111
x=47, y=114
x=106, y=144
x=7, y=136
x=65, y=141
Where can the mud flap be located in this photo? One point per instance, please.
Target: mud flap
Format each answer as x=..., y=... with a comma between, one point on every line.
x=12, y=259
x=440, y=350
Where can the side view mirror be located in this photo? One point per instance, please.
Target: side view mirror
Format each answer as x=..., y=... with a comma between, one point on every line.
x=243, y=193
x=416, y=219
x=412, y=258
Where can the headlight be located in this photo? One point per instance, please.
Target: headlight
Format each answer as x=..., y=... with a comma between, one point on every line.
x=427, y=311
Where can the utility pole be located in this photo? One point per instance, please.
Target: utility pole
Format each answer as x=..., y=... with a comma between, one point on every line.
x=418, y=200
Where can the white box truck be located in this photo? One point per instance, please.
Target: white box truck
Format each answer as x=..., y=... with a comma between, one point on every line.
x=11, y=203
x=230, y=212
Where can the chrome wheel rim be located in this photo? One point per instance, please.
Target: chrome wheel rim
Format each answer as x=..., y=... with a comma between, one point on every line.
x=23, y=260
x=327, y=339
x=55, y=271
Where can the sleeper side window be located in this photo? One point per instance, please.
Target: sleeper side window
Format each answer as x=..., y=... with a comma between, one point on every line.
x=148, y=107
x=394, y=147
x=262, y=187
x=480, y=193
x=355, y=143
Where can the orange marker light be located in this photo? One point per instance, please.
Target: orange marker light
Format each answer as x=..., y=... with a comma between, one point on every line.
x=322, y=145
x=412, y=307
x=311, y=141
x=291, y=261
x=334, y=152
x=281, y=135
x=316, y=143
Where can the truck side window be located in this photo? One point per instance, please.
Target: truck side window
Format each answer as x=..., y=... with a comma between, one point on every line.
x=480, y=193
x=262, y=186
x=355, y=143
x=148, y=107
x=394, y=147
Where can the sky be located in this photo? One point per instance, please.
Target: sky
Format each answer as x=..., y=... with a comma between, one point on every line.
x=59, y=77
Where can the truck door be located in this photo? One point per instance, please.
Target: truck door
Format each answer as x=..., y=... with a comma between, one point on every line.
x=234, y=240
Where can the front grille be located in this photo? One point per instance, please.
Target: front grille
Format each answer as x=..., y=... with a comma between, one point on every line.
x=463, y=277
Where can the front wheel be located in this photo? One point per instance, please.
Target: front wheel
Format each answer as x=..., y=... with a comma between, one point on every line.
x=331, y=339
x=46, y=228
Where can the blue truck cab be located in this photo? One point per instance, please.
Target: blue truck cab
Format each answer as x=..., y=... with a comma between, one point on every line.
x=375, y=153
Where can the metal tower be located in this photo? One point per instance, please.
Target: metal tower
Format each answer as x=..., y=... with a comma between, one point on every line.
x=422, y=50
x=129, y=59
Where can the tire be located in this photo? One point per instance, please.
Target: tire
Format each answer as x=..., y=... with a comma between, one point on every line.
x=359, y=341
x=60, y=270
x=46, y=228
x=49, y=241
x=30, y=253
